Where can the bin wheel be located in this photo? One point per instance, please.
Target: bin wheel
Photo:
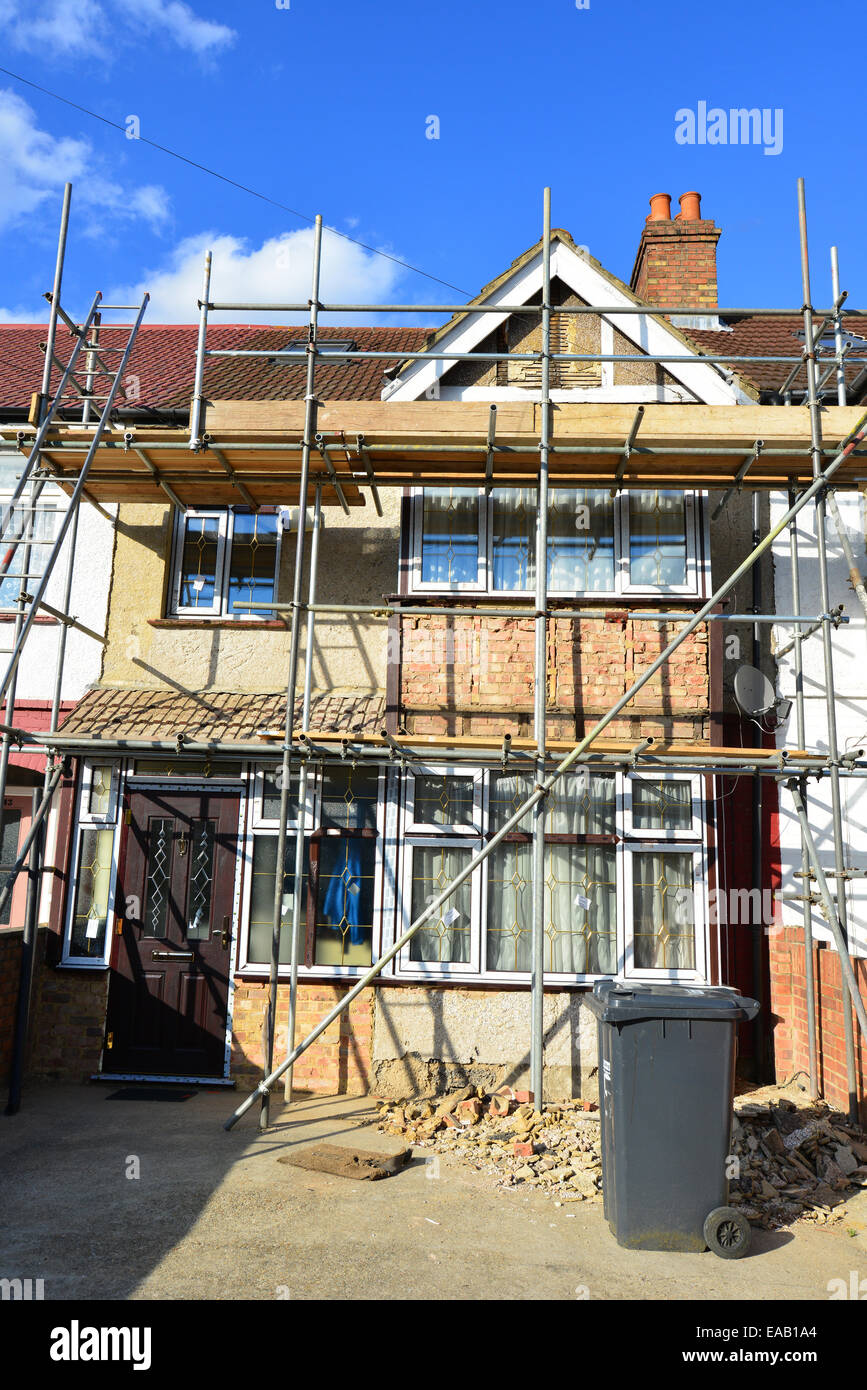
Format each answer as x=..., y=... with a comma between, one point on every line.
x=727, y=1233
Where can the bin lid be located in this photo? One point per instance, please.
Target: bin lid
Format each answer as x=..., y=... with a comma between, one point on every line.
x=627, y=1001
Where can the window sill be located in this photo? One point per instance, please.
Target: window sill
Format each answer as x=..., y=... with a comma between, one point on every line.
x=82, y=965
x=246, y=624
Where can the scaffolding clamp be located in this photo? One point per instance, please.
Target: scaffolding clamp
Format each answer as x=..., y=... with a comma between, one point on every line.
x=506, y=750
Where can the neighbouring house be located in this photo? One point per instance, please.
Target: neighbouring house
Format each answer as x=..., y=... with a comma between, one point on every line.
x=171, y=862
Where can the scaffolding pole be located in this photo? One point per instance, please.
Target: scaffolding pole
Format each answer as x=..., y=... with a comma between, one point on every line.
x=855, y=437
x=540, y=681
x=289, y=729
x=827, y=647
x=856, y=579
x=800, y=723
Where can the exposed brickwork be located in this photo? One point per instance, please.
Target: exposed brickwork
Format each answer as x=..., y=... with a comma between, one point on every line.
x=475, y=675
x=338, y=1063
x=676, y=263
x=68, y=1020
x=789, y=1006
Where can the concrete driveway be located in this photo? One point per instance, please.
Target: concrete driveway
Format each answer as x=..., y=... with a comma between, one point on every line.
x=123, y=1199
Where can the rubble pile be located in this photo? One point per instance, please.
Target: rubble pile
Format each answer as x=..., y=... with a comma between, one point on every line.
x=788, y=1162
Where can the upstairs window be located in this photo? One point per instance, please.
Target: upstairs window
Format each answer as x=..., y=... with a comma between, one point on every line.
x=223, y=557
x=646, y=541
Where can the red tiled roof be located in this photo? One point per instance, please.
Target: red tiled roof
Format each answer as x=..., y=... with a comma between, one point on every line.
x=229, y=718
x=163, y=361
x=771, y=337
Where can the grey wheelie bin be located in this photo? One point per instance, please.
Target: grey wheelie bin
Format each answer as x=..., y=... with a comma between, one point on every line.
x=666, y=1082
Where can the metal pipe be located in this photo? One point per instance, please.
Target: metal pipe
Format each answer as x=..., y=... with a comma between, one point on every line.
x=800, y=723
x=198, y=385
x=760, y=1060
x=856, y=578
x=410, y=610
x=648, y=310
x=540, y=682
x=73, y=503
x=310, y=410
x=25, y=975
x=696, y=358
x=849, y=985
x=856, y=436
x=827, y=648
x=55, y=301
x=300, y=845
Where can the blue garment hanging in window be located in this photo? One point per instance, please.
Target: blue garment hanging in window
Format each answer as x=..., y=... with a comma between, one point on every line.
x=343, y=895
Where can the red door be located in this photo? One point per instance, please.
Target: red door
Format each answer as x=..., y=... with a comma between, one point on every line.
x=169, y=989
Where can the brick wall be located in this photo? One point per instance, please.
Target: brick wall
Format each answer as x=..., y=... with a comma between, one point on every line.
x=475, y=675
x=338, y=1063
x=789, y=1007
x=68, y=1020
x=676, y=263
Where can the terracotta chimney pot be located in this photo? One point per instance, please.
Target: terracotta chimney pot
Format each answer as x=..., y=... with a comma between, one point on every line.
x=690, y=207
x=660, y=208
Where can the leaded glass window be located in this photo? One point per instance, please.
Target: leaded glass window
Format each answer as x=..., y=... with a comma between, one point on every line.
x=224, y=558
x=92, y=892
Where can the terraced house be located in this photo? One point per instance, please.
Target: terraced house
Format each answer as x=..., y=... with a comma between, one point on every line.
x=156, y=949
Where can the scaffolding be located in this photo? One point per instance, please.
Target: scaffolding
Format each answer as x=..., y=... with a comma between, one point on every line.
x=342, y=449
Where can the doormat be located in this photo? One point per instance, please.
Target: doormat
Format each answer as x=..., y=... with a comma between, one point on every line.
x=151, y=1093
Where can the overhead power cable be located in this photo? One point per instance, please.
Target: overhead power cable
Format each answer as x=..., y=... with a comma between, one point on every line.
x=224, y=178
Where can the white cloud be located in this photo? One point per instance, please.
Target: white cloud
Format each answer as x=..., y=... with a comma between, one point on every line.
x=67, y=28
x=34, y=165
x=279, y=271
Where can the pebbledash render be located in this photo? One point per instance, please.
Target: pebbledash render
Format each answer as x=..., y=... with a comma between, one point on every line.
x=633, y=860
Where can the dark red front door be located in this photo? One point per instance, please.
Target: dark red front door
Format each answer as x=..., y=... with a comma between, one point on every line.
x=169, y=990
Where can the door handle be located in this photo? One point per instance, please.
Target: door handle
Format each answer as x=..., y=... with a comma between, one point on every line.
x=227, y=933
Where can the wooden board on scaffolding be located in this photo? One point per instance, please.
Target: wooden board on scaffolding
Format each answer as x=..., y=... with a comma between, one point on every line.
x=445, y=443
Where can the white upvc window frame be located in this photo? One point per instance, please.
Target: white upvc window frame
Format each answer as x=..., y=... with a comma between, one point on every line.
x=415, y=827
x=87, y=820
x=258, y=819
x=696, y=830
x=218, y=609
x=698, y=973
x=420, y=586
x=693, y=510
x=440, y=970
x=258, y=825
x=697, y=555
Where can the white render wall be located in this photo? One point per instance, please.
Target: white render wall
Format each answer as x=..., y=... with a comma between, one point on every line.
x=850, y=678
x=89, y=603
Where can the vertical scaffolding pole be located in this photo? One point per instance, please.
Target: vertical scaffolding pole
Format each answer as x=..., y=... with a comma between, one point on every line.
x=196, y=408
x=289, y=727
x=809, y=981
x=55, y=303
x=757, y=813
x=28, y=955
x=302, y=788
x=537, y=996
x=828, y=654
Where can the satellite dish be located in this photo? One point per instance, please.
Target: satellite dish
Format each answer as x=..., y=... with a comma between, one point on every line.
x=754, y=692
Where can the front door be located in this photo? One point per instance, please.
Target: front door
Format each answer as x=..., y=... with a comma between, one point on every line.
x=169, y=989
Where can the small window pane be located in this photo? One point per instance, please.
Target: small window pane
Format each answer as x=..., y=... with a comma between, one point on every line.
x=450, y=536
x=8, y=855
x=445, y=937
x=580, y=540
x=579, y=803
x=443, y=800
x=201, y=880
x=657, y=538
x=262, y=899
x=344, y=925
x=663, y=911
x=91, y=895
x=159, y=872
x=513, y=537
x=99, y=801
x=199, y=562
x=252, y=561
x=271, y=795
x=184, y=767
x=662, y=805
x=41, y=526
x=349, y=799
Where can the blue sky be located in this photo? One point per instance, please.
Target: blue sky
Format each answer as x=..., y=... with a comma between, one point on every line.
x=324, y=106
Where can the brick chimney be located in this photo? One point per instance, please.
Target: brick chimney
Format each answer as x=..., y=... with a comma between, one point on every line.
x=676, y=261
